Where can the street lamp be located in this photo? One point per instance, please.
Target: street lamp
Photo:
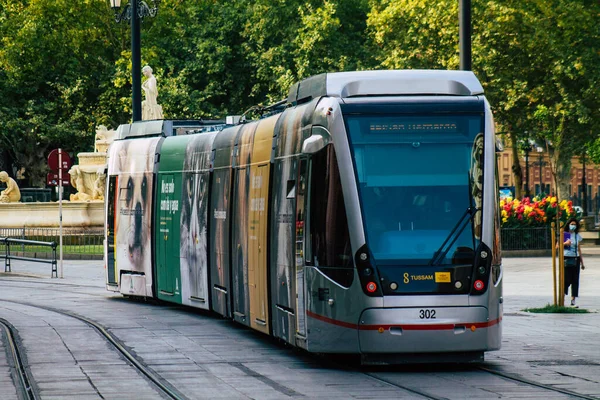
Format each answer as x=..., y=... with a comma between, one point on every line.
x=541, y=163
x=527, y=150
x=527, y=147
x=134, y=11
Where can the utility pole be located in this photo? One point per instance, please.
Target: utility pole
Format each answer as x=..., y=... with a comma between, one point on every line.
x=136, y=64
x=464, y=38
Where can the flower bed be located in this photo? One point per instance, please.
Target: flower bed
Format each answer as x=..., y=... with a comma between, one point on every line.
x=534, y=212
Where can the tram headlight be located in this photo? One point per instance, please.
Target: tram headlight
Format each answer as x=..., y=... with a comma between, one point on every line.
x=458, y=284
x=393, y=286
x=368, y=273
x=481, y=270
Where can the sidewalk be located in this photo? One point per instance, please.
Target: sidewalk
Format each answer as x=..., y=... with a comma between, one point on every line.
x=74, y=272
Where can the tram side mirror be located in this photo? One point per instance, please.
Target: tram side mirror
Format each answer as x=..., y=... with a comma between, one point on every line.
x=499, y=145
x=318, y=139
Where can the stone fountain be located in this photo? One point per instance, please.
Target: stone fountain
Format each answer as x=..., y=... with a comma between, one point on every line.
x=89, y=177
x=85, y=208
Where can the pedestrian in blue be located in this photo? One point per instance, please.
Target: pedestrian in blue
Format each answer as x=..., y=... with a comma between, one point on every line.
x=573, y=260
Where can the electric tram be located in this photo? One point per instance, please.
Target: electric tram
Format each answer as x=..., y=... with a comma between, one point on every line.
x=361, y=217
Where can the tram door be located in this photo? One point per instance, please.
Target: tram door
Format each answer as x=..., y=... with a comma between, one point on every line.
x=301, y=228
x=111, y=215
x=168, y=231
x=257, y=248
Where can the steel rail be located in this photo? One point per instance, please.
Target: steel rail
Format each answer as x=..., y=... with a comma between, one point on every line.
x=411, y=390
x=537, y=384
x=164, y=387
x=24, y=381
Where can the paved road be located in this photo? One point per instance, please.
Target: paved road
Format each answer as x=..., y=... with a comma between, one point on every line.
x=207, y=357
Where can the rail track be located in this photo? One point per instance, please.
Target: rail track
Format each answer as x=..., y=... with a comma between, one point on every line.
x=536, y=384
x=24, y=381
x=159, y=383
x=507, y=376
x=170, y=392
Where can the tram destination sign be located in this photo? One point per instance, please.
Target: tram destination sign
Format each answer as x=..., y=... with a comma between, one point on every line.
x=413, y=127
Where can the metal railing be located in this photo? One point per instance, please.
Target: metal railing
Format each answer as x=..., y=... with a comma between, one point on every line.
x=80, y=242
x=526, y=238
x=8, y=256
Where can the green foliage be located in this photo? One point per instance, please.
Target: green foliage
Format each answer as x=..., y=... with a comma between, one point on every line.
x=414, y=33
x=55, y=59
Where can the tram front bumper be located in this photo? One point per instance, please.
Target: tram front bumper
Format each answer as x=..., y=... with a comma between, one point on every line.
x=425, y=330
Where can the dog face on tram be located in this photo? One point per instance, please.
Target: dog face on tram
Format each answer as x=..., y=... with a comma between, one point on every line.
x=135, y=194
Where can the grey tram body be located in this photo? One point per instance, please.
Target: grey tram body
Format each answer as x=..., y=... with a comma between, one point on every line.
x=334, y=321
x=317, y=298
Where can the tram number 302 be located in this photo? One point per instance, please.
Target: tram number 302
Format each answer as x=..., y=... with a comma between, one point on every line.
x=427, y=314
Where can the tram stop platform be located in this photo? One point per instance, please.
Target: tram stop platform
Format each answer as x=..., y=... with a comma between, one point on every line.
x=538, y=347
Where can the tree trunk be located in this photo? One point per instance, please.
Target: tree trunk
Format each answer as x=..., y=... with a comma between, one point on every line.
x=563, y=176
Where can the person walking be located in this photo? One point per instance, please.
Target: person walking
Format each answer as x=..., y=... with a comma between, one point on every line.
x=573, y=260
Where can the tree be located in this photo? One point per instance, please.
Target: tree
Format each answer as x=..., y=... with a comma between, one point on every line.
x=55, y=62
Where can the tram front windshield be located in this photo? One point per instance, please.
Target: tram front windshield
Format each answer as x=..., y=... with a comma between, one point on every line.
x=420, y=184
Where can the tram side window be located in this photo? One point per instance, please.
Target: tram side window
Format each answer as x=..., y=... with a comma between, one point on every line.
x=112, y=187
x=331, y=249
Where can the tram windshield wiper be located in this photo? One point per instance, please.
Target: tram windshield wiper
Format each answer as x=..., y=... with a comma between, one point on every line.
x=453, y=236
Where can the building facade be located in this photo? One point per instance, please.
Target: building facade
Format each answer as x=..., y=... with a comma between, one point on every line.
x=540, y=177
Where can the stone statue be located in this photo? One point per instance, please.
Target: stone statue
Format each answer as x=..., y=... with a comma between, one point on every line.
x=99, y=185
x=84, y=189
x=90, y=182
x=103, y=139
x=150, y=107
x=11, y=194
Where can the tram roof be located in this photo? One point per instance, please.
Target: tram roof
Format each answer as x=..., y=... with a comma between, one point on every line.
x=386, y=83
x=164, y=127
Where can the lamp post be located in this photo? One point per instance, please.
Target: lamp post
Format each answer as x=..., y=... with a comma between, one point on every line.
x=134, y=12
x=464, y=37
x=541, y=163
x=527, y=146
x=527, y=150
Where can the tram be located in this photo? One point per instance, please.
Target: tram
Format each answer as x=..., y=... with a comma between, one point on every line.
x=361, y=218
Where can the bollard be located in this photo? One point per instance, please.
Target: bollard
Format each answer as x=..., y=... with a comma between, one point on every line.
x=553, y=244
x=7, y=256
x=561, y=268
x=54, y=273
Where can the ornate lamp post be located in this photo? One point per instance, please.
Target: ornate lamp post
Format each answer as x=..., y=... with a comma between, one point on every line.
x=527, y=147
x=541, y=164
x=134, y=12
